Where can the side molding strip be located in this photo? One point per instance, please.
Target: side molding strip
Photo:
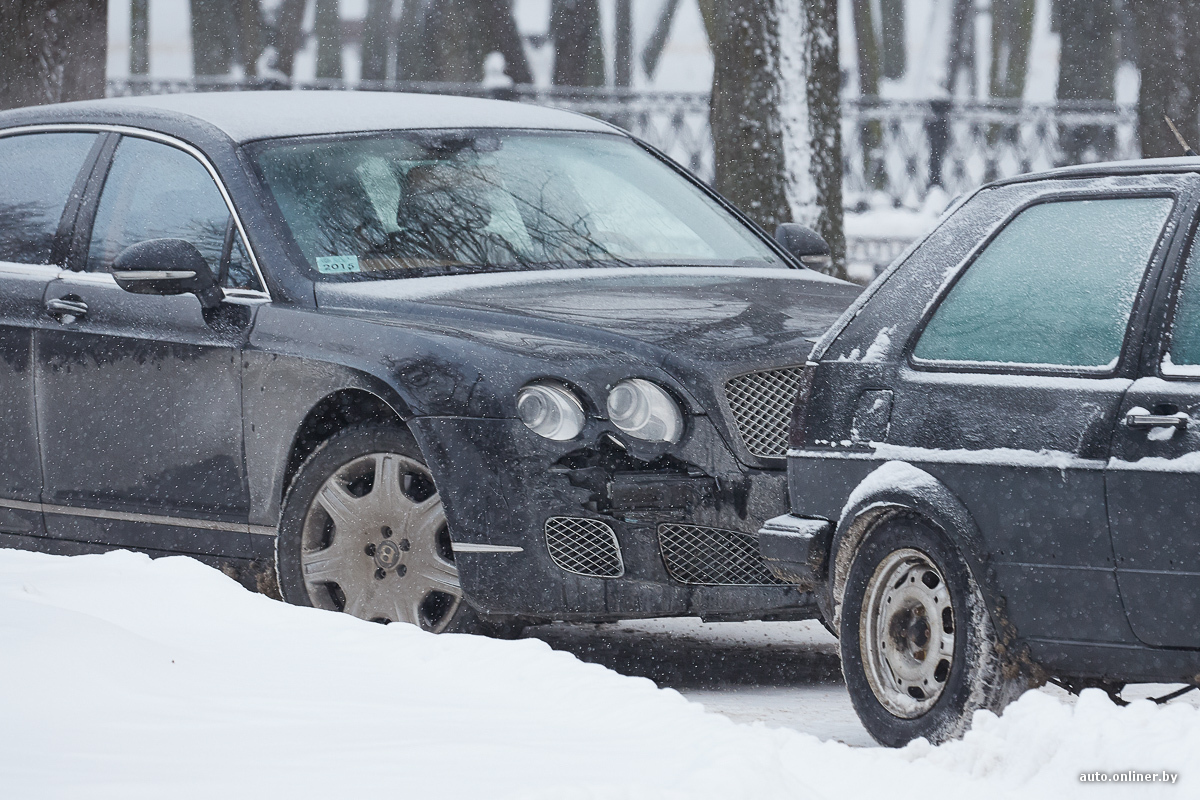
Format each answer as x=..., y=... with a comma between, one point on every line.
x=151, y=519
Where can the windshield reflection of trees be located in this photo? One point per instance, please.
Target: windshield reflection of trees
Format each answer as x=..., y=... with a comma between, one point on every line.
x=456, y=215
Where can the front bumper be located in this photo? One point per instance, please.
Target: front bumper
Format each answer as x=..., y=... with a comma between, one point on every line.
x=685, y=525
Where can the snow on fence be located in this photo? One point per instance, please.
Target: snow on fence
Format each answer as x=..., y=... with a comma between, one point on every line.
x=895, y=152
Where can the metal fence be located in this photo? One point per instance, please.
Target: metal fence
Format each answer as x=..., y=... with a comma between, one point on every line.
x=895, y=147
x=894, y=152
x=904, y=148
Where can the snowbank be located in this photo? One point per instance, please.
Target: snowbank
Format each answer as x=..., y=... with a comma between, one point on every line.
x=128, y=678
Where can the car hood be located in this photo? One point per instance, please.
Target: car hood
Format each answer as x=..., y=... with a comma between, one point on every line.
x=736, y=316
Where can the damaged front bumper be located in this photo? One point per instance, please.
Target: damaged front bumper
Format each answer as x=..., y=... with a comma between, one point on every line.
x=599, y=531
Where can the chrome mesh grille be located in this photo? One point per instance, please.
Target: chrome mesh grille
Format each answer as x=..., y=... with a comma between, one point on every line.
x=584, y=546
x=711, y=556
x=762, y=408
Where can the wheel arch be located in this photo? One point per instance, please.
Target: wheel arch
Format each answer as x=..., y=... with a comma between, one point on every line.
x=896, y=488
x=337, y=411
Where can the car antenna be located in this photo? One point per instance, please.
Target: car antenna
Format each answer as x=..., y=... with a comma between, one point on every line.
x=1187, y=148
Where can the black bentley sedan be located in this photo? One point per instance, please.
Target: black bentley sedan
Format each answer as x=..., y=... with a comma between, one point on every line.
x=995, y=469
x=445, y=361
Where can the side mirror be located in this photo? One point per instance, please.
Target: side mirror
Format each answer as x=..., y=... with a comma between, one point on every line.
x=167, y=266
x=805, y=244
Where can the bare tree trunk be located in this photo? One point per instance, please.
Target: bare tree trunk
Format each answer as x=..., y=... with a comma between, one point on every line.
x=287, y=34
x=747, y=133
x=867, y=45
x=893, y=48
x=961, y=53
x=623, y=44
x=812, y=120
x=1087, y=70
x=327, y=26
x=871, y=131
x=1167, y=52
x=414, y=50
x=139, y=37
x=52, y=51
x=249, y=34
x=776, y=115
x=578, y=49
x=1012, y=33
x=214, y=36
x=375, y=40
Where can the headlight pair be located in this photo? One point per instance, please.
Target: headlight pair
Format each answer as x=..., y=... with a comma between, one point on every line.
x=638, y=407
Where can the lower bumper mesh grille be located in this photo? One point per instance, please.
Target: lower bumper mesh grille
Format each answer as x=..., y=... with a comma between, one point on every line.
x=711, y=556
x=762, y=404
x=584, y=546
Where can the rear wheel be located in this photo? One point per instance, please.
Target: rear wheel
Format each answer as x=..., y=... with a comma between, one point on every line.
x=363, y=531
x=919, y=651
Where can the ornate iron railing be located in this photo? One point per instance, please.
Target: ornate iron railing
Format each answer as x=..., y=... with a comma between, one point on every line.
x=894, y=151
x=898, y=147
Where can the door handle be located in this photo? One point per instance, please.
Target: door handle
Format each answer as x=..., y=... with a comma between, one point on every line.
x=1156, y=421
x=66, y=310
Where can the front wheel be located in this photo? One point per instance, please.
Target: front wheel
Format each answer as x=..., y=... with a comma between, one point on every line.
x=919, y=650
x=363, y=531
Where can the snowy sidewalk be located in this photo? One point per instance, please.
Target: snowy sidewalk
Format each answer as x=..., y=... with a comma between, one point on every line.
x=127, y=678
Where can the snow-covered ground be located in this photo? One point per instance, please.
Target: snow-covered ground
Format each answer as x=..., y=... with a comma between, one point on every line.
x=127, y=678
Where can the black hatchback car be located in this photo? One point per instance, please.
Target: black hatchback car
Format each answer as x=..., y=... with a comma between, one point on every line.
x=416, y=358
x=995, y=464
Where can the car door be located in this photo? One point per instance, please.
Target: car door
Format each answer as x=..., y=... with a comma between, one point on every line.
x=40, y=182
x=139, y=396
x=1015, y=382
x=1153, y=478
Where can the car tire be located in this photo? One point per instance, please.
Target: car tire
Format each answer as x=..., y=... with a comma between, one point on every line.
x=363, y=531
x=919, y=650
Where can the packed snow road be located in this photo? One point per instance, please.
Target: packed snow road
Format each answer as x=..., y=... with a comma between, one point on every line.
x=128, y=678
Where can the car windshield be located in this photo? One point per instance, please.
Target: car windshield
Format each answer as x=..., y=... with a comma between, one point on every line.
x=445, y=202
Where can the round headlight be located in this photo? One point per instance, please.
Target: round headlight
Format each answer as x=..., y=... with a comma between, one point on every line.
x=645, y=410
x=550, y=410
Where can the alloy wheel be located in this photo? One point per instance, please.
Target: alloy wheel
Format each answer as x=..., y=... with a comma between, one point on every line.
x=375, y=545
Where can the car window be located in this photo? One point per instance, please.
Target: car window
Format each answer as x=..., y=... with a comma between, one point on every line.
x=1185, y=329
x=437, y=202
x=37, y=171
x=155, y=191
x=1055, y=287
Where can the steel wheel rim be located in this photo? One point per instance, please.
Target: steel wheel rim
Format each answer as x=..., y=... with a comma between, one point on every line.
x=374, y=544
x=906, y=633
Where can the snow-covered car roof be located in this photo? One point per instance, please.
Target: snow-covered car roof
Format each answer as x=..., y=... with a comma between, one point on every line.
x=247, y=116
x=1143, y=166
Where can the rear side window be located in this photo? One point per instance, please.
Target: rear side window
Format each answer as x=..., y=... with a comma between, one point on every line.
x=37, y=172
x=1054, y=288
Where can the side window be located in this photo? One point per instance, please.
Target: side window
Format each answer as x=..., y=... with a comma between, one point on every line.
x=155, y=191
x=1185, y=329
x=1055, y=287
x=37, y=172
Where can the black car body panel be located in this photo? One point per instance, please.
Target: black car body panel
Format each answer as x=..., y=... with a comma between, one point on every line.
x=147, y=422
x=1083, y=549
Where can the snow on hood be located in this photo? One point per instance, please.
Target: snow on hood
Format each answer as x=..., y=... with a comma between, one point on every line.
x=130, y=678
